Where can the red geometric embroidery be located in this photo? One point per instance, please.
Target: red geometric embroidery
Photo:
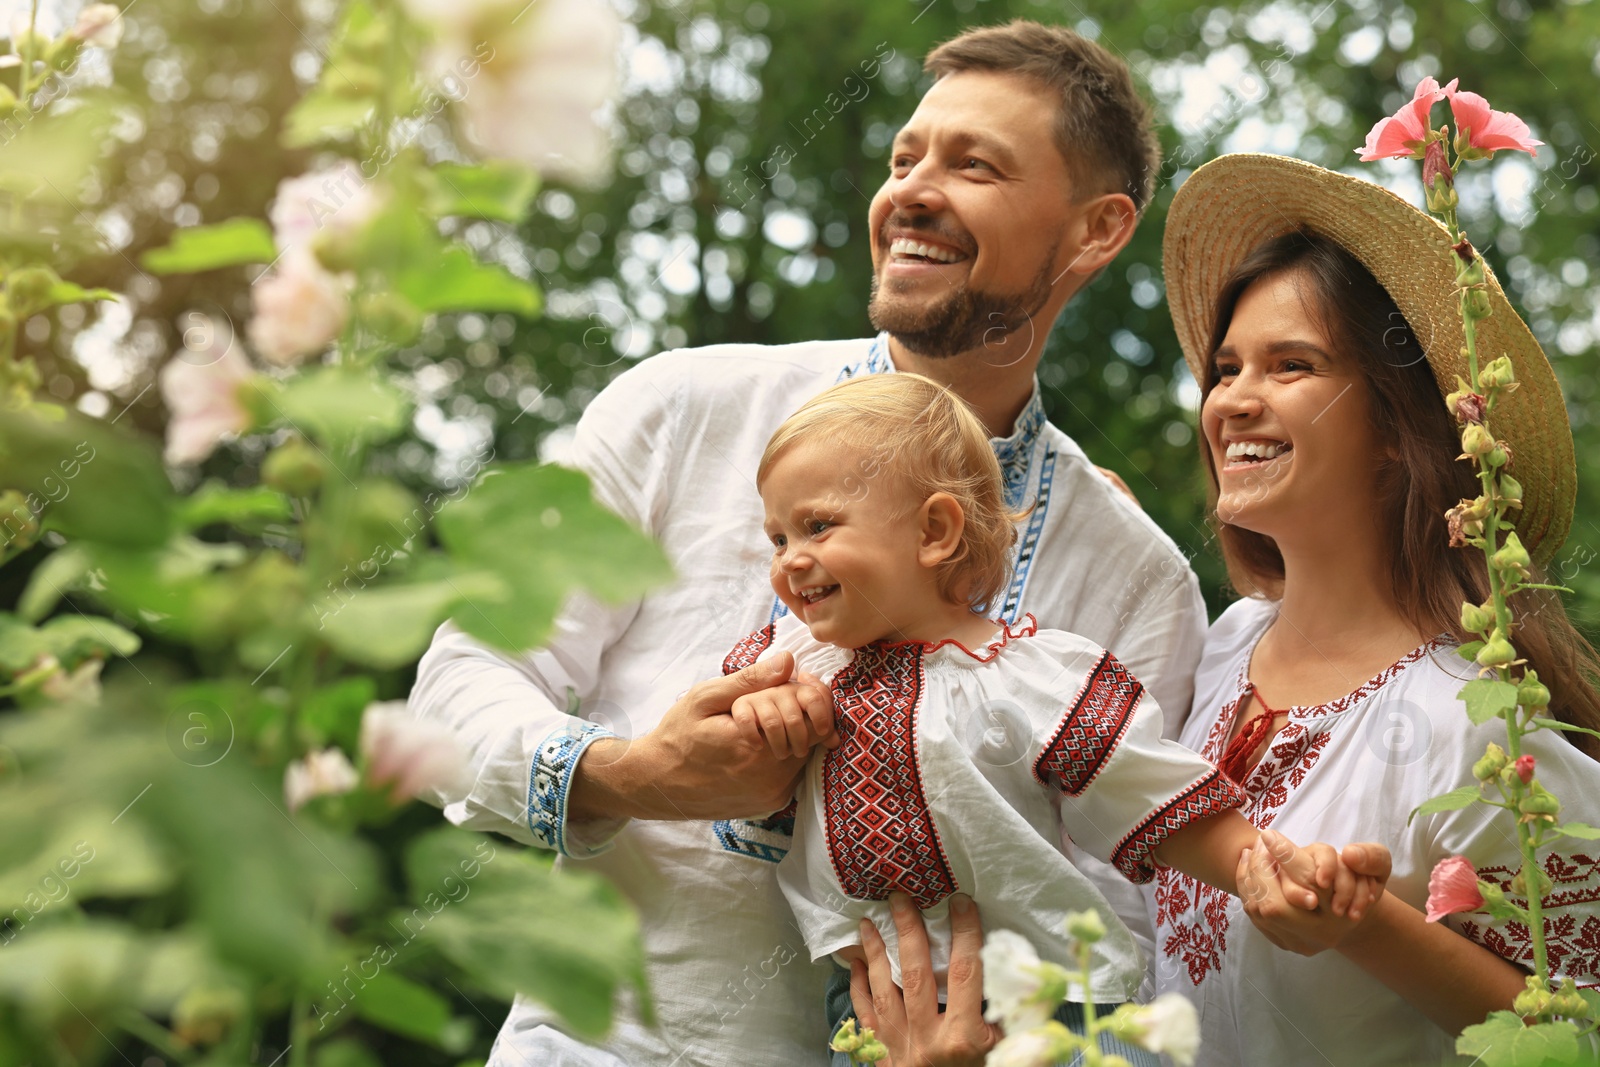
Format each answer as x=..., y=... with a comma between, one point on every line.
x=1092, y=728
x=1211, y=795
x=1572, y=938
x=881, y=835
x=748, y=650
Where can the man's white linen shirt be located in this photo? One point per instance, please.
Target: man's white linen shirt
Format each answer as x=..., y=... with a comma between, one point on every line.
x=672, y=446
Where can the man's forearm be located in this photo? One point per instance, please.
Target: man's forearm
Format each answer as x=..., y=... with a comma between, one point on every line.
x=608, y=784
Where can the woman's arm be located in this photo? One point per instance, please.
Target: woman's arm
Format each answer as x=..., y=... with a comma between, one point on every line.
x=1453, y=981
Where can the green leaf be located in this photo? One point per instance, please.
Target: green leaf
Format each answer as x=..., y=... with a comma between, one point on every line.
x=411, y=1010
x=1469, y=650
x=1503, y=1041
x=69, y=638
x=89, y=480
x=61, y=572
x=1454, y=800
x=323, y=116
x=339, y=406
x=454, y=281
x=390, y=626
x=1580, y=830
x=248, y=508
x=1557, y=724
x=472, y=900
x=1487, y=698
x=224, y=244
x=332, y=714
x=72, y=293
x=496, y=190
x=540, y=531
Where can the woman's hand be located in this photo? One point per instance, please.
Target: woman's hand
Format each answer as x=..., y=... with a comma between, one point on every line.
x=908, y=1021
x=1344, y=900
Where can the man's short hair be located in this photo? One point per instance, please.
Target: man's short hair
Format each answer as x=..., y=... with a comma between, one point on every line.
x=1104, y=129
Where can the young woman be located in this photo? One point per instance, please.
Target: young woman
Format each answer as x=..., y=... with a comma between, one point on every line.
x=1317, y=312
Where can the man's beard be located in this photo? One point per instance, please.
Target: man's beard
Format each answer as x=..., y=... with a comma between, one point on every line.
x=967, y=319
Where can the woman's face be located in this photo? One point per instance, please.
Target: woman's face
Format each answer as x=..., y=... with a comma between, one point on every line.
x=1288, y=420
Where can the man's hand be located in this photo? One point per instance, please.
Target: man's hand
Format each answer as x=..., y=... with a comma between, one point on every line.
x=697, y=763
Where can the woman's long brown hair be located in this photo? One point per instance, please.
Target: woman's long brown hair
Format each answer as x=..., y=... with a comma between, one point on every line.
x=1411, y=493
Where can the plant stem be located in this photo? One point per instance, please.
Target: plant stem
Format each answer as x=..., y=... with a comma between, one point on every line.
x=1091, y=1051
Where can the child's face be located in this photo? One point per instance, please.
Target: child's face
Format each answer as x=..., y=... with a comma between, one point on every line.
x=845, y=537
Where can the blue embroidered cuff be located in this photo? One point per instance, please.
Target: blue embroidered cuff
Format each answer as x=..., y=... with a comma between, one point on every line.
x=550, y=781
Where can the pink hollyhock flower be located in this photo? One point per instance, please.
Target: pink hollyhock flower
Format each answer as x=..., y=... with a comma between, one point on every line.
x=325, y=773
x=1525, y=768
x=300, y=309
x=1399, y=134
x=1453, y=887
x=99, y=25
x=204, y=402
x=1486, y=129
x=412, y=757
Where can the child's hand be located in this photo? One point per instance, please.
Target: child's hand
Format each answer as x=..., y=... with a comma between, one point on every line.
x=1347, y=885
x=792, y=718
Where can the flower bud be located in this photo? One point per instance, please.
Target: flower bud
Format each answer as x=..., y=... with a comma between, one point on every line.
x=1539, y=805
x=1475, y=440
x=1499, y=456
x=1511, y=556
x=1494, y=758
x=1568, y=1003
x=1436, y=177
x=1492, y=894
x=1510, y=491
x=1466, y=255
x=1532, y=693
x=1525, y=768
x=1496, y=652
x=1468, y=407
x=1496, y=374
x=1475, y=618
x=1534, y=1000
x=1086, y=926
x=204, y=1016
x=294, y=467
x=846, y=1040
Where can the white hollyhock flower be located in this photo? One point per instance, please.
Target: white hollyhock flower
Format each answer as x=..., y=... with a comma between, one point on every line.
x=529, y=78
x=204, y=402
x=412, y=757
x=81, y=686
x=1022, y=990
x=1168, y=1024
x=1042, y=1047
x=325, y=773
x=300, y=309
x=336, y=202
x=99, y=25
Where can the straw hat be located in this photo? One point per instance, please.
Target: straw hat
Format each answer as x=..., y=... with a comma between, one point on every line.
x=1236, y=202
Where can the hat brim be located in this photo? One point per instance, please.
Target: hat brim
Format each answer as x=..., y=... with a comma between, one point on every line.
x=1228, y=207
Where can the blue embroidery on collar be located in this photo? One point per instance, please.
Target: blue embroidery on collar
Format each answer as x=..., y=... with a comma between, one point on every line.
x=1015, y=453
x=877, y=361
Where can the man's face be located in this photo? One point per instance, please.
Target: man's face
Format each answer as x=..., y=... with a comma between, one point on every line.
x=970, y=233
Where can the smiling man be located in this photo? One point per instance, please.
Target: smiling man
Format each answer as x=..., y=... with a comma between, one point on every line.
x=1019, y=177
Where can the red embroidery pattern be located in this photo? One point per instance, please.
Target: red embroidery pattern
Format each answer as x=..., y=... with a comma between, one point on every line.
x=1572, y=938
x=1212, y=794
x=1092, y=728
x=1192, y=917
x=881, y=835
x=748, y=650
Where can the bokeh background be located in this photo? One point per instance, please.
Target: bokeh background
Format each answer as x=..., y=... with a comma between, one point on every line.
x=749, y=140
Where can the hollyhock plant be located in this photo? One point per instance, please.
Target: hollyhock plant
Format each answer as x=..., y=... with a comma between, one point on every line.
x=1487, y=131
x=1405, y=132
x=99, y=25
x=205, y=402
x=409, y=756
x=1167, y=1024
x=1452, y=888
x=333, y=204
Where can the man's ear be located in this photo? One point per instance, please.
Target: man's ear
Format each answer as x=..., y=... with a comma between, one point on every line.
x=941, y=523
x=1104, y=225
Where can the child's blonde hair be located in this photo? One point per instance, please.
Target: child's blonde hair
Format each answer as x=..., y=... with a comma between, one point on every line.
x=912, y=428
